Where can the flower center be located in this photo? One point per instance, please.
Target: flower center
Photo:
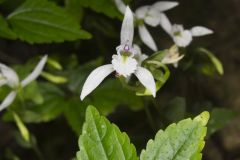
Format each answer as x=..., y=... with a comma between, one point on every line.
x=125, y=50
x=178, y=34
x=124, y=65
x=140, y=21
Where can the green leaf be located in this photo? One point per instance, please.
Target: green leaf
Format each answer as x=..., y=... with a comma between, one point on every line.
x=54, y=64
x=101, y=140
x=75, y=9
x=22, y=128
x=106, y=7
x=1, y=1
x=54, y=78
x=11, y=155
x=180, y=141
x=32, y=93
x=48, y=111
x=216, y=62
x=5, y=31
x=54, y=104
x=41, y=21
x=23, y=143
x=219, y=118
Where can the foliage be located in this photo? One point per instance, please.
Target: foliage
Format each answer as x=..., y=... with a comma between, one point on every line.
x=215, y=61
x=102, y=6
x=5, y=31
x=41, y=21
x=219, y=118
x=102, y=140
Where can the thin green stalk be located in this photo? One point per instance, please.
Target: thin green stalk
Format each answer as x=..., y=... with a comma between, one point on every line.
x=154, y=102
x=150, y=117
x=33, y=144
x=37, y=151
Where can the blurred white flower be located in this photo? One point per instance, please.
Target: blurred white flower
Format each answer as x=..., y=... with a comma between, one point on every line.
x=124, y=62
x=172, y=57
x=9, y=77
x=183, y=37
x=152, y=15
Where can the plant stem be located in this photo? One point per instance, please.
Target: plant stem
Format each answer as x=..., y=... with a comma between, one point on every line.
x=37, y=151
x=33, y=144
x=149, y=117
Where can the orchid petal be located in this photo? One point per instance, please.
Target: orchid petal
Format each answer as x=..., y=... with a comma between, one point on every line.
x=200, y=31
x=184, y=39
x=146, y=37
x=95, y=78
x=165, y=23
x=176, y=28
x=141, y=12
x=152, y=17
x=35, y=73
x=127, y=30
x=169, y=60
x=137, y=49
x=10, y=75
x=121, y=6
x=147, y=80
x=139, y=56
x=8, y=100
x=3, y=82
x=164, y=5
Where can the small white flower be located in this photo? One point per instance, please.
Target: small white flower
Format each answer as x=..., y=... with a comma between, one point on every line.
x=9, y=77
x=183, y=37
x=152, y=15
x=124, y=62
x=180, y=36
x=172, y=57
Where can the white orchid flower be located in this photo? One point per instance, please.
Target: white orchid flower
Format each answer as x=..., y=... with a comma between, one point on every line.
x=183, y=37
x=152, y=15
x=124, y=62
x=10, y=78
x=172, y=57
